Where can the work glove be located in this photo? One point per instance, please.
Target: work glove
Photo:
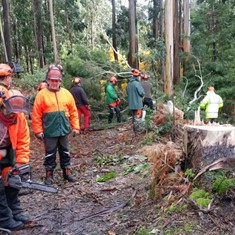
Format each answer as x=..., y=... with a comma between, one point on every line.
x=75, y=132
x=40, y=136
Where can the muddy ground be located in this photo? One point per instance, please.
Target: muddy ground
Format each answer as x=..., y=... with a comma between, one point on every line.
x=119, y=206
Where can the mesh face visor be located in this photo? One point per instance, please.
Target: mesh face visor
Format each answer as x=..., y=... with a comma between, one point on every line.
x=17, y=104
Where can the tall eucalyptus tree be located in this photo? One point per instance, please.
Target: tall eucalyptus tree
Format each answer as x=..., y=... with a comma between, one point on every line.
x=37, y=12
x=6, y=30
x=133, y=40
x=114, y=33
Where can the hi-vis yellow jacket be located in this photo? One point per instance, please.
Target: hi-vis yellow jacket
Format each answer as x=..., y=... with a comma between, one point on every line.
x=54, y=113
x=211, y=103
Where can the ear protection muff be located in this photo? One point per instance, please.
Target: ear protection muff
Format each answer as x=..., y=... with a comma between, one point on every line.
x=56, y=68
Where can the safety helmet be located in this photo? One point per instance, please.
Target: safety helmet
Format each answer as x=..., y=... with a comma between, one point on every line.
x=76, y=80
x=60, y=68
x=54, y=73
x=113, y=80
x=5, y=70
x=16, y=102
x=42, y=85
x=146, y=76
x=135, y=72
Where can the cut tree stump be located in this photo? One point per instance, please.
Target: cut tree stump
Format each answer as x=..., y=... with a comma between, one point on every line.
x=206, y=144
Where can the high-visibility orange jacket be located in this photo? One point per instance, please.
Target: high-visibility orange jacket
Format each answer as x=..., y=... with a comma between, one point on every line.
x=18, y=152
x=54, y=113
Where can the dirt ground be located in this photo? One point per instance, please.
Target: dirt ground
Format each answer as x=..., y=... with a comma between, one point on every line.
x=119, y=206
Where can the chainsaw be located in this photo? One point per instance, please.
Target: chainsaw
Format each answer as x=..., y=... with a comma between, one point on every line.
x=20, y=177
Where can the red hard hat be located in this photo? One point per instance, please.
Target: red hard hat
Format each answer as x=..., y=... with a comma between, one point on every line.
x=5, y=70
x=146, y=76
x=76, y=80
x=54, y=73
x=135, y=72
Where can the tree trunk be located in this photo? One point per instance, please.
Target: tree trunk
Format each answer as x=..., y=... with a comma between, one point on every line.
x=114, y=29
x=177, y=21
x=132, y=60
x=203, y=145
x=186, y=29
x=56, y=58
x=6, y=30
x=168, y=81
x=38, y=30
x=161, y=35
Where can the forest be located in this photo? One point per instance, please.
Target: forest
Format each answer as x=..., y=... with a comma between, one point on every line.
x=132, y=183
x=184, y=45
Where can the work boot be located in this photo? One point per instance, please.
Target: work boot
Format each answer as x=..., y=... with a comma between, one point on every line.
x=11, y=224
x=49, y=177
x=22, y=217
x=67, y=175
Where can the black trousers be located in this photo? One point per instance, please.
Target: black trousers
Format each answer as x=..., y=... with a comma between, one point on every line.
x=112, y=111
x=9, y=202
x=52, y=144
x=148, y=102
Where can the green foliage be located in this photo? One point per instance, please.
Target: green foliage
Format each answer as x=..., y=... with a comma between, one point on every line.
x=174, y=208
x=189, y=174
x=201, y=197
x=222, y=184
x=106, y=177
x=28, y=81
x=136, y=168
x=103, y=160
x=165, y=127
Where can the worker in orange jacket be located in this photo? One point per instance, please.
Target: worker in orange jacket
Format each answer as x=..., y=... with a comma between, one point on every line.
x=14, y=148
x=54, y=117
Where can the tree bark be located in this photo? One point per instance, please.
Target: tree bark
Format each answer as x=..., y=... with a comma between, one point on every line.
x=204, y=145
x=132, y=59
x=114, y=29
x=168, y=81
x=186, y=32
x=38, y=31
x=56, y=58
x=6, y=30
x=177, y=25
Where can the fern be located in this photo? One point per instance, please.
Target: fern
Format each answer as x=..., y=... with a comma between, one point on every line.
x=223, y=184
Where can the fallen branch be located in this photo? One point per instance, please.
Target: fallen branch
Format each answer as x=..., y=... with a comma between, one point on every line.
x=219, y=164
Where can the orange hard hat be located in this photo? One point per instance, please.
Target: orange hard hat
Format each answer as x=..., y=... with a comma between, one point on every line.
x=5, y=70
x=16, y=102
x=113, y=80
x=76, y=80
x=54, y=73
x=135, y=72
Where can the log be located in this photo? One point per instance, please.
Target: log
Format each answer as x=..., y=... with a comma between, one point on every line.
x=203, y=145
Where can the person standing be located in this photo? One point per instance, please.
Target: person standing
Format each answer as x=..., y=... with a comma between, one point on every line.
x=135, y=94
x=147, y=86
x=81, y=101
x=54, y=117
x=211, y=103
x=14, y=148
x=112, y=100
